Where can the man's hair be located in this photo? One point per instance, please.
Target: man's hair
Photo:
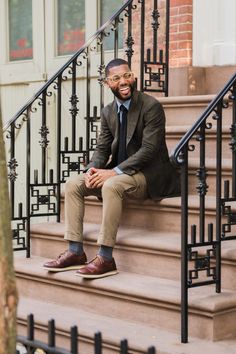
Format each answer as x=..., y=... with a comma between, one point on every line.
x=115, y=62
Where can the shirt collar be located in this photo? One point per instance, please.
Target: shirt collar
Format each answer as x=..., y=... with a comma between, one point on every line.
x=125, y=103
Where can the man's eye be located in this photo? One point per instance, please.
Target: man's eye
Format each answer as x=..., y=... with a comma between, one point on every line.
x=127, y=75
x=116, y=78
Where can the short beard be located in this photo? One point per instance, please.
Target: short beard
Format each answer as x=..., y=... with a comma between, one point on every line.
x=116, y=92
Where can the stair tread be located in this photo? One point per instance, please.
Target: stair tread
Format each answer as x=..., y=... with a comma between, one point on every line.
x=152, y=241
x=172, y=202
x=186, y=100
x=139, y=336
x=132, y=237
x=130, y=286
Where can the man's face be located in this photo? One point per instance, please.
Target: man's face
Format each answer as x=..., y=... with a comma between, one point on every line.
x=121, y=81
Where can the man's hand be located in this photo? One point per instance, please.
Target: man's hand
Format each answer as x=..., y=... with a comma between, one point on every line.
x=95, y=177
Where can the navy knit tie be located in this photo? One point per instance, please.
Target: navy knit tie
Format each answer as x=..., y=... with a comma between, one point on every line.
x=122, y=153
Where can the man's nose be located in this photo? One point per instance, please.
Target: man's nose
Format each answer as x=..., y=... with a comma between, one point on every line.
x=122, y=80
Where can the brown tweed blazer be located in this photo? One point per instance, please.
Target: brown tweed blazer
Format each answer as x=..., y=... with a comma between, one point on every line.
x=145, y=143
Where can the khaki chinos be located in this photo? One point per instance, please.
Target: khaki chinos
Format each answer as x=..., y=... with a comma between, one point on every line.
x=113, y=191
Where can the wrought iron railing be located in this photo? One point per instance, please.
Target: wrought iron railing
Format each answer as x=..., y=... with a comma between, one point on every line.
x=206, y=156
x=30, y=345
x=53, y=135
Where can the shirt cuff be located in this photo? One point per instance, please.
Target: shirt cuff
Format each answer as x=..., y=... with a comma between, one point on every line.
x=118, y=171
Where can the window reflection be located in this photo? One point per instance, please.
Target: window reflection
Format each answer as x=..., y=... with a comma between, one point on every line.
x=109, y=8
x=71, y=26
x=20, y=30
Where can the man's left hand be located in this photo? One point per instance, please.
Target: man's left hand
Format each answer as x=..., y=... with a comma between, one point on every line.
x=97, y=179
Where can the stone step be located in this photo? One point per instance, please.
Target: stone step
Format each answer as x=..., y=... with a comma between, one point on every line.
x=131, y=297
x=211, y=175
x=182, y=110
x=137, y=250
x=140, y=336
x=175, y=133
x=134, y=250
x=164, y=215
x=186, y=110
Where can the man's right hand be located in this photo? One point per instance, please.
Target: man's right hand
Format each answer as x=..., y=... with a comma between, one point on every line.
x=88, y=175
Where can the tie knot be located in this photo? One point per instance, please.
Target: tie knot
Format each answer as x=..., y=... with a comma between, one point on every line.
x=123, y=109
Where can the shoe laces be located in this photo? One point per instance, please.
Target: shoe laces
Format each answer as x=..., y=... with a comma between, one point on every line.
x=97, y=260
x=62, y=254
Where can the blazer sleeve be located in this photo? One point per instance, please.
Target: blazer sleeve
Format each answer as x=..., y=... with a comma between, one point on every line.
x=153, y=137
x=103, y=149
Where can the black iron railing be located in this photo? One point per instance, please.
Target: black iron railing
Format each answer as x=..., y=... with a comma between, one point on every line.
x=53, y=135
x=29, y=344
x=206, y=156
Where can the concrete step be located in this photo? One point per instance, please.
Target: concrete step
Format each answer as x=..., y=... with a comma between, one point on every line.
x=140, y=336
x=134, y=249
x=131, y=297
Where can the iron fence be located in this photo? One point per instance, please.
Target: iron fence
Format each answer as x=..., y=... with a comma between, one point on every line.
x=31, y=345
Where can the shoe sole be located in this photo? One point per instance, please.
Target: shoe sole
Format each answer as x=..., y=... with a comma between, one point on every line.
x=91, y=276
x=64, y=269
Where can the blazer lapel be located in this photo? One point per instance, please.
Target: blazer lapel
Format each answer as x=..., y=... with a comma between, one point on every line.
x=133, y=116
x=114, y=126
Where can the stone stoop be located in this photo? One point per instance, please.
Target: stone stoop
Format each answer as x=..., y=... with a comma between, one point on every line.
x=142, y=302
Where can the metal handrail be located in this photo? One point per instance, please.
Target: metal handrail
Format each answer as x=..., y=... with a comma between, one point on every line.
x=203, y=234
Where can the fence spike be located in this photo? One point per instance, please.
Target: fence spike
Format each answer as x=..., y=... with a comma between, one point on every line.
x=74, y=339
x=30, y=327
x=98, y=343
x=124, y=346
x=151, y=350
x=51, y=333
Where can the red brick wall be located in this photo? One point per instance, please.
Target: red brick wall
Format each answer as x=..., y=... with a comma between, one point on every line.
x=180, y=33
x=180, y=46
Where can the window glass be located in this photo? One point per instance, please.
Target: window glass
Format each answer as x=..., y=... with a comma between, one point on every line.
x=20, y=30
x=71, y=26
x=109, y=8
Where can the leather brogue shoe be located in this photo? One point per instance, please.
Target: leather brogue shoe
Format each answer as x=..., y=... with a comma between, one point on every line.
x=66, y=261
x=98, y=267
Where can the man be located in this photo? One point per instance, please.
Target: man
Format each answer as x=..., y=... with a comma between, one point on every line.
x=130, y=160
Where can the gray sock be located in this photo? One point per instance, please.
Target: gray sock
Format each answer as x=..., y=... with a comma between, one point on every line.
x=106, y=252
x=76, y=247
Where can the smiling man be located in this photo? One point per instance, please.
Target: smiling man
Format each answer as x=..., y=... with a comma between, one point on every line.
x=130, y=161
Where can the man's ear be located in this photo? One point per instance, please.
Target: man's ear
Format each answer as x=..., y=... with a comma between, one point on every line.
x=105, y=83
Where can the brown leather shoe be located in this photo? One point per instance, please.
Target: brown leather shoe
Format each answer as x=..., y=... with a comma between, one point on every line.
x=98, y=268
x=66, y=261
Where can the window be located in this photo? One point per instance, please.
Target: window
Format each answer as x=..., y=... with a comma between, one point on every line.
x=20, y=30
x=108, y=9
x=71, y=26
